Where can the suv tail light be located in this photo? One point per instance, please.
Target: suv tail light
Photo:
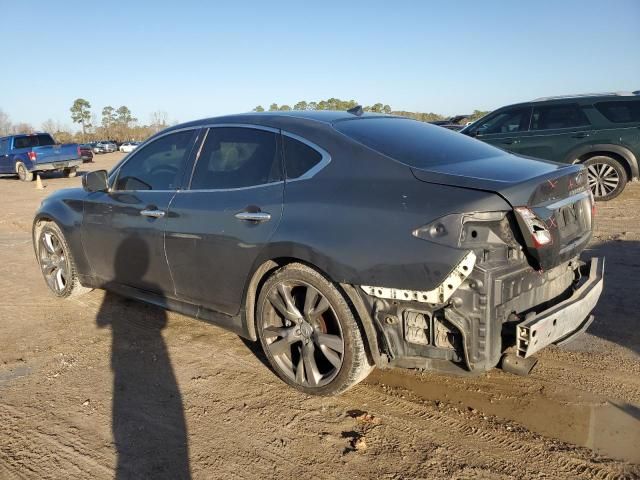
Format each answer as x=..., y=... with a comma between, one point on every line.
x=540, y=235
x=79, y=151
x=32, y=156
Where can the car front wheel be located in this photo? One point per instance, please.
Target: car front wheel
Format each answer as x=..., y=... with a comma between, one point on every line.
x=606, y=176
x=56, y=261
x=309, y=333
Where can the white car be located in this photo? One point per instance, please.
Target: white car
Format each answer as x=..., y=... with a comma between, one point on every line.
x=128, y=147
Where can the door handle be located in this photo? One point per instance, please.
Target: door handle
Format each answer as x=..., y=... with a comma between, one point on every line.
x=509, y=141
x=253, y=216
x=581, y=135
x=152, y=213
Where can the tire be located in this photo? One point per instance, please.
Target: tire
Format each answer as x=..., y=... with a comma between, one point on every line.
x=23, y=173
x=606, y=176
x=70, y=172
x=56, y=261
x=303, y=322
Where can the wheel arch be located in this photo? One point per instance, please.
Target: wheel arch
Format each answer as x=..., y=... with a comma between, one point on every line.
x=617, y=152
x=267, y=267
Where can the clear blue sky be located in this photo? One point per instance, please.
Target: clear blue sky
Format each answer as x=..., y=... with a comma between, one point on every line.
x=196, y=59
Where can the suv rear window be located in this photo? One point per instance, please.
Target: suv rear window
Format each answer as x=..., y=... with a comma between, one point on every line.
x=621, y=111
x=415, y=143
x=29, y=141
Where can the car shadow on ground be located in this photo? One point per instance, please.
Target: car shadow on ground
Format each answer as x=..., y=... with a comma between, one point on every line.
x=617, y=313
x=149, y=427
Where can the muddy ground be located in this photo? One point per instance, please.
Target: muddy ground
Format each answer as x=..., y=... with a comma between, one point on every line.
x=182, y=398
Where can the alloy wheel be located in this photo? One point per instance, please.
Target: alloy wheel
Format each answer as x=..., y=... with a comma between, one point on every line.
x=303, y=334
x=54, y=262
x=603, y=179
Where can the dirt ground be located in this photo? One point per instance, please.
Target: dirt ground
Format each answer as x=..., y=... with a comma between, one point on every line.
x=103, y=385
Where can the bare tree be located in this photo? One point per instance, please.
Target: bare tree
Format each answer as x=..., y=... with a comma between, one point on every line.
x=159, y=120
x=5, y=124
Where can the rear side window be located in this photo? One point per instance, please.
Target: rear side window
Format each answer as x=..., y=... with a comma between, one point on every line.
x=29, y=141
x=3, y=146
x=621, y=111
x=550, y=117
x=298, y=157
x=237, y=157
x=415, y=143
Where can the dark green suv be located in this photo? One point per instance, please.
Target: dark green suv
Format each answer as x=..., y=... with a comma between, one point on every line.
x=602, y=131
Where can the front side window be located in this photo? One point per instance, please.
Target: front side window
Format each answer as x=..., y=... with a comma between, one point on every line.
x=626, y=111
x=157, y=166
x=512, y=120
x=551, y=117
x=298, y=157
x=237, y=157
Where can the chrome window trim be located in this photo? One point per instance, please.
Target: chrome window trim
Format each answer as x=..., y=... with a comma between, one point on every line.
x=133, y=153
x=324, y=161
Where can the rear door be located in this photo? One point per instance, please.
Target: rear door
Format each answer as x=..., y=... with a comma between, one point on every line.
x=216, y=228
x=505, y=128
x=556, y=129
x=123, y=229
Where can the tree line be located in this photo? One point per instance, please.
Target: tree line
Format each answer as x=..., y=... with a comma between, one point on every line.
x=119, y=123
x=113, y=124
x=338, y=104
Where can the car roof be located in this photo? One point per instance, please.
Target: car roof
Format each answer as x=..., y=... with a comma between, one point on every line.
x=282, y=119
x=584, y=98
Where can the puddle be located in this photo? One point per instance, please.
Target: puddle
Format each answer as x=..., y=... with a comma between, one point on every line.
x=16, y=372
x=609, y=428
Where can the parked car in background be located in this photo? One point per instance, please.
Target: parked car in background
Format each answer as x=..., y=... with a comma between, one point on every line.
x=107, y=147
x=86, y=152
x=457, y=252
x=128, y=147
x=97, y=148
x=28, y=154
x=451, y=123
x=597, y=130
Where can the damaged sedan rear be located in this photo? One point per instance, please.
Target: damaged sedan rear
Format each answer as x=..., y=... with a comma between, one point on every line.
x=338, y=240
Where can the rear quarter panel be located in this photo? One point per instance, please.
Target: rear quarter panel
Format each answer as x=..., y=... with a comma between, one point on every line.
x=354, y=221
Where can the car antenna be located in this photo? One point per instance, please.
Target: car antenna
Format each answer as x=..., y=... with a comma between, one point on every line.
x=357, y=111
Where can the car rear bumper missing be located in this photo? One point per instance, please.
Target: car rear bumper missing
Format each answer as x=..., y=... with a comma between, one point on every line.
x=563, y=321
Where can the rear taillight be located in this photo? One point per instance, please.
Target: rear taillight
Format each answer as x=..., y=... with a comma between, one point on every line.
x=32, y=156
x=540, y=235
x=79, y=151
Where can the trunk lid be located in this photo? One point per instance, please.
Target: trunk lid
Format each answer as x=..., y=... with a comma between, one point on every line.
x=552, y=204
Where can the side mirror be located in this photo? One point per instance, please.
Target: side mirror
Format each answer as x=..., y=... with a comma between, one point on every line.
x=96, y=181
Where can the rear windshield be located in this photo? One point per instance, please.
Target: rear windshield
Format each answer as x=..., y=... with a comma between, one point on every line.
x=620, y=111
x=29, y=141
x=415, y=143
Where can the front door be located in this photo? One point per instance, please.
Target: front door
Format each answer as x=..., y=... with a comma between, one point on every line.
x=216, y=229
x=123, y=229
x=505, y=128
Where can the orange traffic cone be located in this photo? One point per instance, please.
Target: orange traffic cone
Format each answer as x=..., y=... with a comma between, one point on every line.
x=39, y=185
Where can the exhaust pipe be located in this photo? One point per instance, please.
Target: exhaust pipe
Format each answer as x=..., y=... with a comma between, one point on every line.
x=511, y=363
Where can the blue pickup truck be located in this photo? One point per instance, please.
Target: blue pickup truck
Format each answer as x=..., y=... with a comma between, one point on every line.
x=27, y=154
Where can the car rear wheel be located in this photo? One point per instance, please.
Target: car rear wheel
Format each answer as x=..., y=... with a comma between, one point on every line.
x=606, y=176
x=309, y=333
x=23, y=173
x=56, y=261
